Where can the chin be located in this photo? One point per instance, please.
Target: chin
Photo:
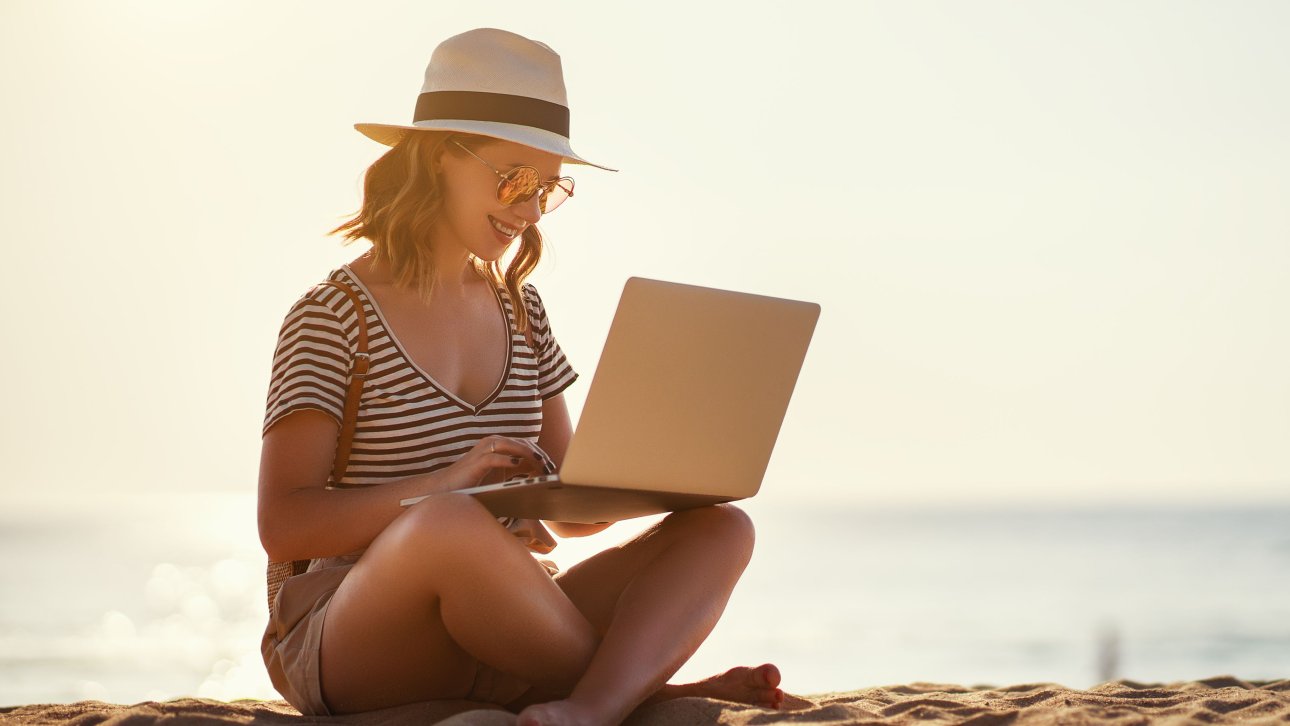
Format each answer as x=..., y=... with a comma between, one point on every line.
x=489, y=259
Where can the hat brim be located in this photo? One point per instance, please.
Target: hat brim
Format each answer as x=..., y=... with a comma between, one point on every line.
x=540, y=139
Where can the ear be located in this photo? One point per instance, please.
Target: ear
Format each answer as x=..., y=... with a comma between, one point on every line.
x=436, y=166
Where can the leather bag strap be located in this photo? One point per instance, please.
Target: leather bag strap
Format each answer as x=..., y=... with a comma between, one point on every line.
x=357, y=375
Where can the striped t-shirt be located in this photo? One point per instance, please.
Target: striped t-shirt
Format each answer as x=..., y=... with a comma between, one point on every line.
x=407, y=423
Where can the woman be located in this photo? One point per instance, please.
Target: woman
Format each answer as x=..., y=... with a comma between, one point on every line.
x=439, y=600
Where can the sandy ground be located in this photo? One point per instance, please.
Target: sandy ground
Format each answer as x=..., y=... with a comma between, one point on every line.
x=1222, y=699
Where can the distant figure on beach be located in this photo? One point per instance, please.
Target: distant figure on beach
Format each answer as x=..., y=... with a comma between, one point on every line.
x=1108, y=652
x=424, y=367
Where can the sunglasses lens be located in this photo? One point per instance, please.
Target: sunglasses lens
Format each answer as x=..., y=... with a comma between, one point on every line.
x=522, y=182
x=518, y=185
x=561, y=190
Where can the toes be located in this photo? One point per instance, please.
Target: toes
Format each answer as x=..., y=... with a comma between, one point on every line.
x=534, y=715
x=770, y=698
x=768, y=675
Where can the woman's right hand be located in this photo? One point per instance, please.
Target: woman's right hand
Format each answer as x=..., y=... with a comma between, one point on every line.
x=495, y=459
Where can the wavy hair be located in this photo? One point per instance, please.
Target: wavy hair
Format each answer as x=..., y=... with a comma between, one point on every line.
x=402, y=201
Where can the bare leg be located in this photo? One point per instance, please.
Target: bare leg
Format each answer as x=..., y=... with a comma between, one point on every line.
x=442, y=579
x=659, y=619
x=435, y=592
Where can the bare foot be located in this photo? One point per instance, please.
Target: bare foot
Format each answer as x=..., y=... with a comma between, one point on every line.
x=560, y=713
x=741, y=684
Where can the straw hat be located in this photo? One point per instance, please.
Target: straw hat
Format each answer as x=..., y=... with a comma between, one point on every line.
x=493, y=83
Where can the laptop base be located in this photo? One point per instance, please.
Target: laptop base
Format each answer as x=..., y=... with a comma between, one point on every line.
x=560, y=502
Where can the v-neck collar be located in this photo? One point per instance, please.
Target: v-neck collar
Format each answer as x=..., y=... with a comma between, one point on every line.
x=474, y=409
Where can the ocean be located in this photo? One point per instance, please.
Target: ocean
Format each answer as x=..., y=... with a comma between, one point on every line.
x=130, y=598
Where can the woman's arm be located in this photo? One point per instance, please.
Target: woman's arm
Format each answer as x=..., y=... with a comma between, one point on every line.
x=300, y=519
x=554, y=440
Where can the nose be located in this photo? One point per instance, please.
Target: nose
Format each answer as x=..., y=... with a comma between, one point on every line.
x=529, y=210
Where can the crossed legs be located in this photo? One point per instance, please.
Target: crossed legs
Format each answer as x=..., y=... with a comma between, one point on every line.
x=444, y=585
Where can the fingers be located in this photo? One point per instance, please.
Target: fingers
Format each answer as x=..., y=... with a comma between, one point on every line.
x=518, y=463
x=498, y=459
x=505, y=459
x=503, y=445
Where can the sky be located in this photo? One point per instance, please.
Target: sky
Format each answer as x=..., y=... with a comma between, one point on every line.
x=1050, y=240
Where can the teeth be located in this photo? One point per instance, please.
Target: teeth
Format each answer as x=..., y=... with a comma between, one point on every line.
x=509, y=232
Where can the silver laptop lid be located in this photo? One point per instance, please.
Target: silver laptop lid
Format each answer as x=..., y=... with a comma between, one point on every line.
x=690, y=390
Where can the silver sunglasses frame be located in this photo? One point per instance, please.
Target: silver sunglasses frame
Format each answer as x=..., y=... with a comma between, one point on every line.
x=544, y=188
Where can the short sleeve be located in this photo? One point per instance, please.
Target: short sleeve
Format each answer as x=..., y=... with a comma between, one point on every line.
x=554, y=372
x=310, y=364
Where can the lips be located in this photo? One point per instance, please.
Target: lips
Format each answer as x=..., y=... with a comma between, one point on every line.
x=506, y=230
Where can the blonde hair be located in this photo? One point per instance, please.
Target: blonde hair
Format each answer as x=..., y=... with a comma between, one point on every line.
x=402, y=200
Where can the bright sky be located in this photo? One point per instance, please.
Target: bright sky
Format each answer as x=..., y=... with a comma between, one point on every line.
x=1051, y=240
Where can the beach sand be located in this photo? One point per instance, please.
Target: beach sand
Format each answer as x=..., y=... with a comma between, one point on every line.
x=1222, y=699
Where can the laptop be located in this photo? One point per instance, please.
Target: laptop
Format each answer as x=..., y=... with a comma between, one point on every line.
x=683, y=410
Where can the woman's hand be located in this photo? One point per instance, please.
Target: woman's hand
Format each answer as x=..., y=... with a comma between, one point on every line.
x=496, y=459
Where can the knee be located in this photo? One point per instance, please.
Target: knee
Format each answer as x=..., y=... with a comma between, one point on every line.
x=448, y=517
x=726, y=522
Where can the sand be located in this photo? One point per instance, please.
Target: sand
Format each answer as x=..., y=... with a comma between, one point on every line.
x=1221, y=699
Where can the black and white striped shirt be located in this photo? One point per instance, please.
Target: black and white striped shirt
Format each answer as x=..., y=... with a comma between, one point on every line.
x=407, y=423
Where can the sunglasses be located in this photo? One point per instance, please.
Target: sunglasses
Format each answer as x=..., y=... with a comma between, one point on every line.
x=522, y=182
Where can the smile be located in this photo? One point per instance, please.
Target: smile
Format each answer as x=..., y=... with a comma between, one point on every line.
x=508, y=231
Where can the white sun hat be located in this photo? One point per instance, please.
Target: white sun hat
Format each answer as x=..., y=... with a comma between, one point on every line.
x=493, y=83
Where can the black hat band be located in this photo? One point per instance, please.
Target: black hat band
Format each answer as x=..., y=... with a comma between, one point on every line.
x=500, y=107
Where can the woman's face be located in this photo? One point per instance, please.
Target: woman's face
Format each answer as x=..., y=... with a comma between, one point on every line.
x=471, y=212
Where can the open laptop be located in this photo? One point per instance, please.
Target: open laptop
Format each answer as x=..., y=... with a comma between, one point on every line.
x=683, y=410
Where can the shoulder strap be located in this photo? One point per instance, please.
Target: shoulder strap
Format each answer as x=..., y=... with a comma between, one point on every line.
x=357, y=374
x=278, y=572
x=528, y=329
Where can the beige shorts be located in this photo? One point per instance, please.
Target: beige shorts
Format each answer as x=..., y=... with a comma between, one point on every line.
x=291, y=642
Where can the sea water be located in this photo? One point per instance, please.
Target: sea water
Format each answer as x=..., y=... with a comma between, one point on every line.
x=135, y=598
